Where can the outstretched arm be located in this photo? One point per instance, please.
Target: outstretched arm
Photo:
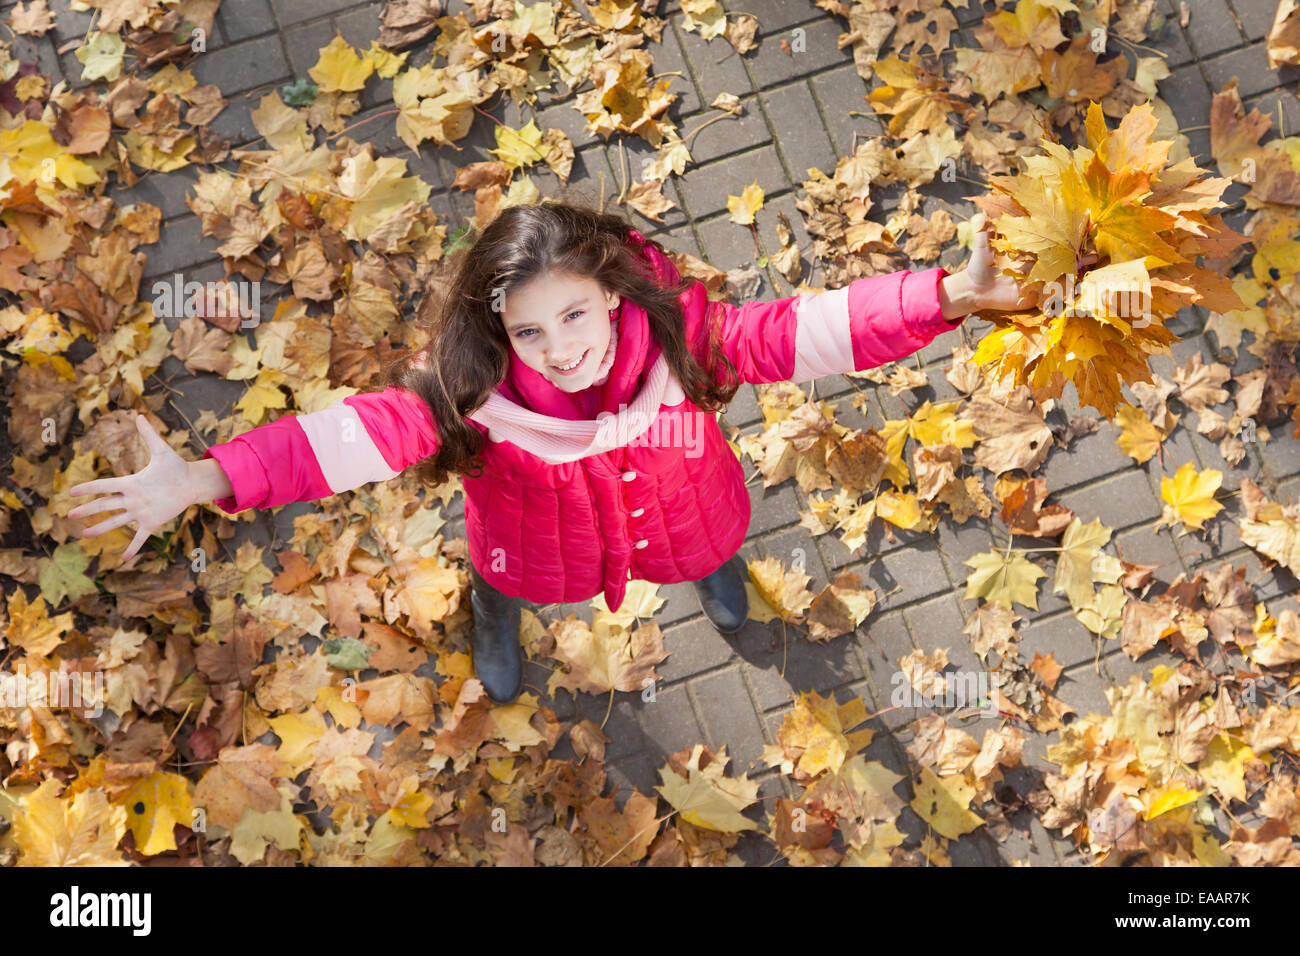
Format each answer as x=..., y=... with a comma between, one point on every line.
x=867, y=323
x=367, y=437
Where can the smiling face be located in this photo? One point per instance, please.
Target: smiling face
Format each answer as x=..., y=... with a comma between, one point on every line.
x=557, y=319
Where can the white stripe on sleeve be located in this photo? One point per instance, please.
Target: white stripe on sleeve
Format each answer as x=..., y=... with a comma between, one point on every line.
x=347, y=456
x=823, y=344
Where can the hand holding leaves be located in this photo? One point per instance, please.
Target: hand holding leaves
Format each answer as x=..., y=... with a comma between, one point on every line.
x=980, y=286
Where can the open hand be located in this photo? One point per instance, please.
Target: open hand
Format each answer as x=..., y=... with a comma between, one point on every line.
x=150, y=498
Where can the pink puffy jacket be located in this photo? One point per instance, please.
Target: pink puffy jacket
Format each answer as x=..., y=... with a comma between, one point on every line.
x=655, y=508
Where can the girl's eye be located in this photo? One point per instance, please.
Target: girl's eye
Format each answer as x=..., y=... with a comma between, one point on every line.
x=524, y=333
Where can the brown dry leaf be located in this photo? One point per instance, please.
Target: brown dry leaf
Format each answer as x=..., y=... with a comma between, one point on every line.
x=1023, y=510
x=614, y=837
x=840, y=607
x=927, y=237
x=31, y=19
x=1269, y=528
x=783, y=592
x=992, y=628
x=1047, y=669
x=202, y=348
x=1011, y=429
x=595, y=662
x=1284, y=36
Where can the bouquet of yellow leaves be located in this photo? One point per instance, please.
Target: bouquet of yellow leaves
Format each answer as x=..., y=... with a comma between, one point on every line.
x=1107, y=236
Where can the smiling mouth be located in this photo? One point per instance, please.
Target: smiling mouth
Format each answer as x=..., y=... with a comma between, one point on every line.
x=570, y=371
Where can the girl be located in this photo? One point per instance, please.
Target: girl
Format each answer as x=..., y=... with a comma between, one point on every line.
x=568, y=363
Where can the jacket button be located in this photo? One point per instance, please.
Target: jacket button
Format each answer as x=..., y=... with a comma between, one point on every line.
x=642, y=543
x=628, y=475
x=638, y=513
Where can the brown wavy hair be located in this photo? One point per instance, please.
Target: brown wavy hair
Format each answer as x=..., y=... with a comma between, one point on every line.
x=469, y=351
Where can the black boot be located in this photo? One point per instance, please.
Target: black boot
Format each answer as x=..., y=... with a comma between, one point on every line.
x=498, y=656
x=723, y=596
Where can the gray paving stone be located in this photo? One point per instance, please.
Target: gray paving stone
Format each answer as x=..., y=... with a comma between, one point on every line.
x=693, y=646
x=743, y=410
x=668, y=722
x=167, y=192
x=570, y=122
x=769, y=65
x=887, y=639
x=1211, y=457
x=773, y=15
x=1119, y=501
x=622, y=726
x=957, y=543
x=1145, y=545
x=1211, y=28
x=235, y=122
x=770, y=508
x=241, y=19
x=669, y=57
x=711, y=69
x=1087, y=458
x=40, y=50
x=304, y=43
x=1084, y=687
x=1187, y=93
x=836, y=554
x=640, y=773
x=727, y=711
x=1062, y=636
x=704, y=189
x=180, y=247
x=1267, y=582
x=841, y=93
x=259, y=62
x=289, y=12
x=904, y=575
x=730, y=246
x=1256, y=18
x=938, y=623
x=792, y=108
x=1281, y=456
x=1119, y=667
x=1170, y=40
x=360, y=25
x=1250, y=66
x=1280, y=106
x=731, y=135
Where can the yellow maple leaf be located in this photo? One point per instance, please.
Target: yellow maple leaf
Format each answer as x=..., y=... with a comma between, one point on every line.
x=518, y=147
x=262, y=395
x=1002, y=578
x=1189, y=496
x=376, y=189
x=33, y=155
x=339, y=69
x=154, y=805
x=782, y=592
x=298, y=735
x=743, y=207
x=708, y=798
x=1138, y=437
x=944, y=803
x=1224, y=765
x=818, y=727
x=82, y=831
